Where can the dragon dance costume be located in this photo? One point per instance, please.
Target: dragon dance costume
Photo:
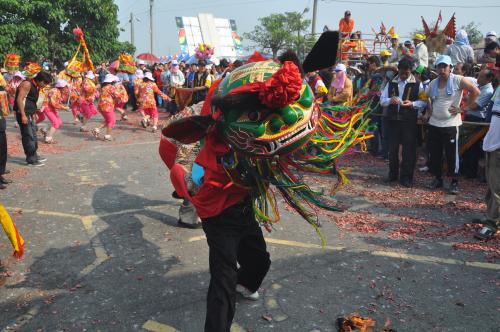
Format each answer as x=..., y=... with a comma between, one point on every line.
x=259, y=126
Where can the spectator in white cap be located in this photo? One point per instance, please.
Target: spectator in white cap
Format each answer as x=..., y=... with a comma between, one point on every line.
x=53, y=104
x=445, y=96
x=481, y=55
x=141, y=64
x=460, y=51
x=176, y=80
x=341, y=87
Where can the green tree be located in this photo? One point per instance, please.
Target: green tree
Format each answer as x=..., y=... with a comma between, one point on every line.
x=279, y=31
x=42, y=29
x=473, y=32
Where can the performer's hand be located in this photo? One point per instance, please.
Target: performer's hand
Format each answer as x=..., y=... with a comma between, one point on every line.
x=24, y=119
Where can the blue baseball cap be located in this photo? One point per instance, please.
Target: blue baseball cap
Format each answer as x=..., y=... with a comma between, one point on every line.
x=443, y=59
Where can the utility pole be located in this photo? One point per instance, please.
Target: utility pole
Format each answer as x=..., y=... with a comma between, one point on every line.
x=151, y=30
x=315, y=10
x=132, y=29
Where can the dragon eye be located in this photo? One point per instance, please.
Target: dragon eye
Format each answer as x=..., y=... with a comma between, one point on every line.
x=254, y=116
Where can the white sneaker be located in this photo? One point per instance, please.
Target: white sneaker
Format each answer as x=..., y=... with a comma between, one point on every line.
x=424, y=169
x=246, y=293
x=108, y=138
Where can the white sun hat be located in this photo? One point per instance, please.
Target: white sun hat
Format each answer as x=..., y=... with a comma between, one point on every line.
x=109, y=78
x=149, y=76
x=60, y=83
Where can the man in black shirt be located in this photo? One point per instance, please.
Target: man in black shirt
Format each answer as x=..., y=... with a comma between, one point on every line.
x=25, y=107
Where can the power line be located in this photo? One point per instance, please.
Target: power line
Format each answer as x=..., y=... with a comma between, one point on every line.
x=215, y=5
x=415, y=4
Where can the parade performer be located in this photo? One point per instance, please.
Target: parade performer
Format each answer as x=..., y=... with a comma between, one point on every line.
x=12, y=85
x=185, y=154
x=148, y=109
x=10, y=229
x=122, y=100
x=55, y=102
x=252, y=123
x=75, y=69
x=89, y=94
x=106, y=107
x=138, y=80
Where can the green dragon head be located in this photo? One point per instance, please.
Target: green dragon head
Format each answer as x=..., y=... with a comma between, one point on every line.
x=260, y=129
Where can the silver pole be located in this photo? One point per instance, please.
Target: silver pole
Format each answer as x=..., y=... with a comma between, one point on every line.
x=151, y=29
x=315, y=9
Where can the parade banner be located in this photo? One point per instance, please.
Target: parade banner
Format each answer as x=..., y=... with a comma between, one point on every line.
x=238, y=47
x=182, y=35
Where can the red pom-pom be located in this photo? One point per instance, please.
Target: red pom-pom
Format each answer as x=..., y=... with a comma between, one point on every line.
x=282, y=88
x=78, y=33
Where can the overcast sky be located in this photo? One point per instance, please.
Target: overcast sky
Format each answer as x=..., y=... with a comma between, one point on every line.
x=247, y=12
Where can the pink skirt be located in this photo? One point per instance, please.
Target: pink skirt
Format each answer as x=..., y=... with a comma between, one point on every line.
x=88, y=110
x=53, y=116
x=109, y=117
x=152, y=112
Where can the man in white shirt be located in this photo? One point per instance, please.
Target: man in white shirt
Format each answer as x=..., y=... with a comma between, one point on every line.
x=421, y=55
x=478, y=112
x=445, y=95
x=491, y=145
x=401, y=96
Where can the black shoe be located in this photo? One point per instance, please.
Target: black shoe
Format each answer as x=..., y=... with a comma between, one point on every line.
x=2, y=186
x=405, y=183
x=485, y=233
x=190, y=226
x=36, y=164
x=4, y=180
x=453, y=188
x=390, y=179
x=42, y=159
x=436, y=183
x=7, y=171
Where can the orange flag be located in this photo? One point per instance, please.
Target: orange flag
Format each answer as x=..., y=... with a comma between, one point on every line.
x=10, y=229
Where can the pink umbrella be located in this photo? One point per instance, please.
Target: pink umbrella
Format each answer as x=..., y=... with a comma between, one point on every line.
x=148, y=57
x=113, y=66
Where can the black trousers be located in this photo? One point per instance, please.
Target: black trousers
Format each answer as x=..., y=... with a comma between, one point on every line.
x=233, y=237
x=29, y=139
x=3, y=152
x=446, y=138
x=471, y=157
x=402, y=133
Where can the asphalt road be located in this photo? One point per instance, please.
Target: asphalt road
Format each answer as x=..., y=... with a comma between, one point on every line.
x=104, y=252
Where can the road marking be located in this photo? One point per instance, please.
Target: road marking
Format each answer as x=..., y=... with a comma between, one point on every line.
x=113, y=164
x=391, y=254
x=129, y=144
x=154, y=326
x=23, y=319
